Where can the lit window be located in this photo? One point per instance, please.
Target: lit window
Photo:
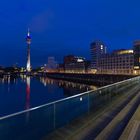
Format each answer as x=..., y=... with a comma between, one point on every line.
x=101, y=47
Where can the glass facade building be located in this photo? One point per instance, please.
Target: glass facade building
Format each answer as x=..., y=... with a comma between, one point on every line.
x=97, y=49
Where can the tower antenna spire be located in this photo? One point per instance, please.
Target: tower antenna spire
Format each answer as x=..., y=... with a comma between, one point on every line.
x=28, y=32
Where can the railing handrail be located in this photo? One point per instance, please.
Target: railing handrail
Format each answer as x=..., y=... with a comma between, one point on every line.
x=64, y=99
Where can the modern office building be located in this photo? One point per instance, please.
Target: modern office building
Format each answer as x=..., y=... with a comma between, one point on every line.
x=69, y=59
x=61, y=68
x=97, y=49
x=73, y=64
x=136, y=49
x=28, y=40
x=52, y=65
x=117, y=62
x=125, y=62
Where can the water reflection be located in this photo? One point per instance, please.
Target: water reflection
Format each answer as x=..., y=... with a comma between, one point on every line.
x=46, y=81
x=8, y=79
x=28, y=92
x=22, y=92
x=27, y=97
x=66, y=84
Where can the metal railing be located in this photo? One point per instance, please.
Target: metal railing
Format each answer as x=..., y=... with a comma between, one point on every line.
x=39, y=121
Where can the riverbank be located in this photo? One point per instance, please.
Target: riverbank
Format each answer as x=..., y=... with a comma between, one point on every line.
x=90, y=79
x=96, y=79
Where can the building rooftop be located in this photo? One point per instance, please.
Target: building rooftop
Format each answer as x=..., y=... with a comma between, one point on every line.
x=123, y=51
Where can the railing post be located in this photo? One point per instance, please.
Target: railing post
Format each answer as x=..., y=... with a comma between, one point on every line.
x=54, y=117
x=88, y=103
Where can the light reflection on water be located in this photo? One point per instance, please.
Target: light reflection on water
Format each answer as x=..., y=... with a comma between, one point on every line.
x=24, y=92
x=27, y=92
x=62, y=83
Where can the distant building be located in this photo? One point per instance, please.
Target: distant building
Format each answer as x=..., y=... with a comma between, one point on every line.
x=1, y=69
x=97, y=49
x=61, y=68
x=136, y=49
x=118, y=62
x=73, y=64
x=125, y=62
x=52, y=65
x=69, y=59
x=87, y=66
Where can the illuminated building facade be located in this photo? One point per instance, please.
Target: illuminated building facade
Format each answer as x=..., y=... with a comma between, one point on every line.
x=118, y=62
x=97, y=49
x=74, y=64
x=136, y=49
x=28, y=41
x=125, y=62
x=61, y=68
x=69, y=59
x=52, y=65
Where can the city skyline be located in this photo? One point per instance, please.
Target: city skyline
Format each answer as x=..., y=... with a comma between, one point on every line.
x=69, y=69
x=28, y=65
x=54, y=28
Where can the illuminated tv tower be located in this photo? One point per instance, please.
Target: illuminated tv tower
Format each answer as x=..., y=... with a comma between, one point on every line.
x=28, y=41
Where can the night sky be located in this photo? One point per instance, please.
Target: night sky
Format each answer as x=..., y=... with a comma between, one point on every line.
x=62, y=27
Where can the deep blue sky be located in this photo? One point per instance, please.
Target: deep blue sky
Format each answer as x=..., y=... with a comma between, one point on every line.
x=61, y=27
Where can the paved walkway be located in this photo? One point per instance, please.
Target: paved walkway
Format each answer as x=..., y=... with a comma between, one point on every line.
x=83, y=126
x=114, y=127
x=132, y=131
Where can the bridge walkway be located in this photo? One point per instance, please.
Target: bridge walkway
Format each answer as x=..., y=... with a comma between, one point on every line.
x=93, y=123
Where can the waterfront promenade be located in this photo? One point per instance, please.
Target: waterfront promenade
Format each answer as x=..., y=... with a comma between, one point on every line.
x=107, y=123
x=98, y=114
